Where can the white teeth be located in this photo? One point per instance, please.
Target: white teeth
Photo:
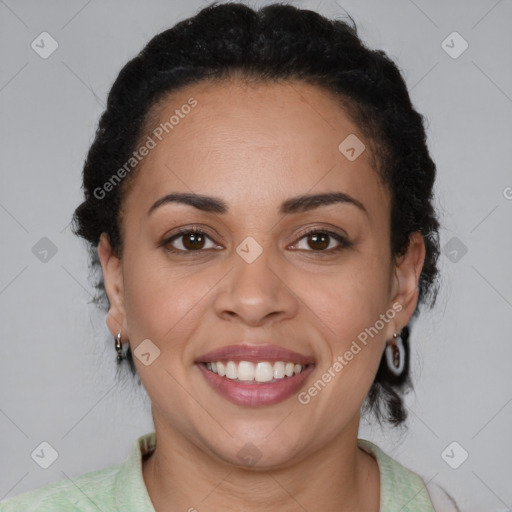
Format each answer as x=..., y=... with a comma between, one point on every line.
x=231, y=370
x=246, y=370
x=221, y=369
x=263, y=371
x=278, y=370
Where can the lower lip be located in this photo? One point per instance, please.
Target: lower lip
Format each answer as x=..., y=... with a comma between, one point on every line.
x=258, y=393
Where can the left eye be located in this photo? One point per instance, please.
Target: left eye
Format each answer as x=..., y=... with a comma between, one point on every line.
x=319, y=241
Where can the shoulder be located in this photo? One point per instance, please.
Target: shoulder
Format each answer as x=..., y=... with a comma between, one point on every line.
x=115, y=487
x=405, y=490
x=88, y=492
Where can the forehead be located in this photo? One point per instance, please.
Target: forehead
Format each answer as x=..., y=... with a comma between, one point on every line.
x=254, y=142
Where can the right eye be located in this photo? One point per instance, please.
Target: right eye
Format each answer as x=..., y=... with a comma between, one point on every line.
x=193, y=240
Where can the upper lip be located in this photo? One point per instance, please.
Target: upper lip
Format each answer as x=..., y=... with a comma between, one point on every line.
x=254, y=353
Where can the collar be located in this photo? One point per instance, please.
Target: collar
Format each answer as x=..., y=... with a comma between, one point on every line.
x=400, y=488
x=131, y=491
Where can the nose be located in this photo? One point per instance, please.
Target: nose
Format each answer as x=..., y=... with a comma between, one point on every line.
x=256, y=292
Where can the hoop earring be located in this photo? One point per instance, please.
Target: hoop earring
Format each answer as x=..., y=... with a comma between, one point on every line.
x=395, y=355
x=119, y=347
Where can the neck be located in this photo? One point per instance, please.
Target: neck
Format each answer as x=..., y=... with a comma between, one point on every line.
x=340, y=477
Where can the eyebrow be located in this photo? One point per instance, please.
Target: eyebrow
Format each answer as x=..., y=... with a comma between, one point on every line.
x=296, y=204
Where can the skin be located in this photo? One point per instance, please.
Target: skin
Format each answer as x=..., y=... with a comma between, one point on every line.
x=254, y=147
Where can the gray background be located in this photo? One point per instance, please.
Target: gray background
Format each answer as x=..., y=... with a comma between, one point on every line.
x=57, y=368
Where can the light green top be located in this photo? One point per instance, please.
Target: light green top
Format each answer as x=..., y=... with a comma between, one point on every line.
x=121, y=488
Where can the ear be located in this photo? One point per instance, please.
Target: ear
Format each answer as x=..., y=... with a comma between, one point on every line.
x=407, y=273
x=113, y=279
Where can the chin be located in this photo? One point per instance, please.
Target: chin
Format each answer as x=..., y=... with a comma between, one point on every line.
x=261, y=449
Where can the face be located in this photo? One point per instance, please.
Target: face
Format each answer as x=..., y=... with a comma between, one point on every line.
x=263, y=270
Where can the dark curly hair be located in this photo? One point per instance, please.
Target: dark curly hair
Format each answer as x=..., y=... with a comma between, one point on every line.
x=278, y=42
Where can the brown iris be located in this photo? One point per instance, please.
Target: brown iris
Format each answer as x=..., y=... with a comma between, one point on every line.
x=193, y=241
x=321, y=240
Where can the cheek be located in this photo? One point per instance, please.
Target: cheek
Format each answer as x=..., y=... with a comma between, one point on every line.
x=348, y=307
x=348, y=300
x=161, y=301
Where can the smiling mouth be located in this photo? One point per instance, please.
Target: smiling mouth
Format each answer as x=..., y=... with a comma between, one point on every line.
x=256, y=372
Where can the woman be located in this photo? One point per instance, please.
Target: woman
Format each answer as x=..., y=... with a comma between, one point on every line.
x=259, y=192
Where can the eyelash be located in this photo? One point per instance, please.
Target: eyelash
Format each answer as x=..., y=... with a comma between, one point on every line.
x=344, y=243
